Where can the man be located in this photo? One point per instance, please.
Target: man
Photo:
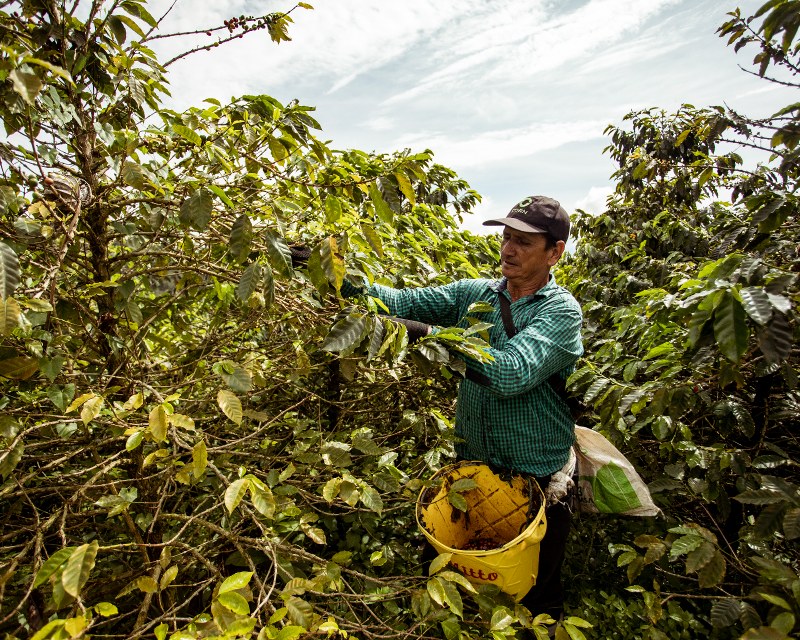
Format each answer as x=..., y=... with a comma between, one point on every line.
x=509, y=413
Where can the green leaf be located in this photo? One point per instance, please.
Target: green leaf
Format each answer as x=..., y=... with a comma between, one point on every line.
x=263, y=500
x=376, y=339
x=451, y=596
x=760, y=496
x=725, y=613
x=791, y=524
x=346, y=335
x=769, y=521
x=292, y=632
x=190, y=135
x=336, y=454
x=235, y=602
x=280, y=256
x=757, y=304
x=405, y=187
x=775, y=339
x=613, y=492
x=775, y=600
x=134, y=440
x=333, y=209
x=300, y=612
x=458, y=501
x=235, y=492
x=464, y=484
x=331, y=489
x=61, y=396
x=217, y=191
x=459, y=579
x=439, y=562
x=501, y=619
x=157, y=423
x=106, y=609
x=78, y=567
x=133, y=175
x=181, y=421
x=249, y=282
x=595, y=388
x=700, y=557
x=199, y=459
x=269, y=285
x=661, y=350
x=52, y=630
x=331, y=262
x=168, y=577
x=783, y=622
x=146, y=584
x=713, y=572
x=196, y=210
x=371, y=499
x=373, y=239
x=630, y=399
x=684, y=545
x=52, y=565
x=278, y=150
x=10, y=314
x=231, y=406
x=118, y=29
x=730, y=328
x=91, y=408
x=51, y=367
x=435, y=590
x=382, y=209
x=241, y=238
x=236, y=581
x=27, y=85
x=18, y=368
x=235, y=376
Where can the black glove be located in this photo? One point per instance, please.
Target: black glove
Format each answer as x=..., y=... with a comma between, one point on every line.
x=300, y=255
x=416, y=330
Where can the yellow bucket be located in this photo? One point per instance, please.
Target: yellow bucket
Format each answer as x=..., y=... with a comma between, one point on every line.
x=505, y=517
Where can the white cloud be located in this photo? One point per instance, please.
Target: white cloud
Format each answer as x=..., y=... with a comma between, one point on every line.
x=472, y=150
x=525, y=43
x=486, y=85
x=594, y=202
x=380, y=123
x=487, y=209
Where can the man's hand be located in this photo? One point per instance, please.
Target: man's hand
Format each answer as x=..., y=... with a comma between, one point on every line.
x=416, y=330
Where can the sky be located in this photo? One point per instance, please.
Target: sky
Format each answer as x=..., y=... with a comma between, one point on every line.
x=513, y=95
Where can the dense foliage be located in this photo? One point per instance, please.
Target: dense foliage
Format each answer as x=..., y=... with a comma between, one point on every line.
x=691, y=325
x=201, y=440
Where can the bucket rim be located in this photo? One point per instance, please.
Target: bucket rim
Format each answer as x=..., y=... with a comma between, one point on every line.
x=477, y=552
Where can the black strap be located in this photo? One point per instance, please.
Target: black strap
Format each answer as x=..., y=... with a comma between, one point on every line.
x=505, y=311
x=556, y=382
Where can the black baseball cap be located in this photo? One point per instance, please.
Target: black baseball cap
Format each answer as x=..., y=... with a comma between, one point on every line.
x=537, y=214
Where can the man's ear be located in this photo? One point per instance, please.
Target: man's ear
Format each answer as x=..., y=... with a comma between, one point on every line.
x=556, y=252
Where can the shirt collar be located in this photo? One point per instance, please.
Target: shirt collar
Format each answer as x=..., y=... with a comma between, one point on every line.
x=498, y=286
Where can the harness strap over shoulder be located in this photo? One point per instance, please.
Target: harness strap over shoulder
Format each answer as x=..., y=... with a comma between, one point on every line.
x=556, y=382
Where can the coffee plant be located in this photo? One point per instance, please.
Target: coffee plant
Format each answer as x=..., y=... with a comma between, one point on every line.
x=201, y=437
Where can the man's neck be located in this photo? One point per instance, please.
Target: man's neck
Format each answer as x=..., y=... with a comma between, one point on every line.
x=519, y=290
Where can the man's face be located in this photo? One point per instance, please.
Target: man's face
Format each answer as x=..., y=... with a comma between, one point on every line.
x=524, y=257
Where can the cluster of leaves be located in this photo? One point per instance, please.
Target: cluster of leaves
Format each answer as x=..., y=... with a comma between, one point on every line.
x=182, y=454
x=198, y=439
x=692, y=365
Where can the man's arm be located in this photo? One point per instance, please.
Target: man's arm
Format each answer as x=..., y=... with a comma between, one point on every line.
x=550, y=344
x=429, y=305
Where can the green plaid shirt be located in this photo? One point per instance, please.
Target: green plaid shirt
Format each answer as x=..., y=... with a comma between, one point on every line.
x=514, y=420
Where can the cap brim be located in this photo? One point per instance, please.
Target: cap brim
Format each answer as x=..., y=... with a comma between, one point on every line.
x=519, y=225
